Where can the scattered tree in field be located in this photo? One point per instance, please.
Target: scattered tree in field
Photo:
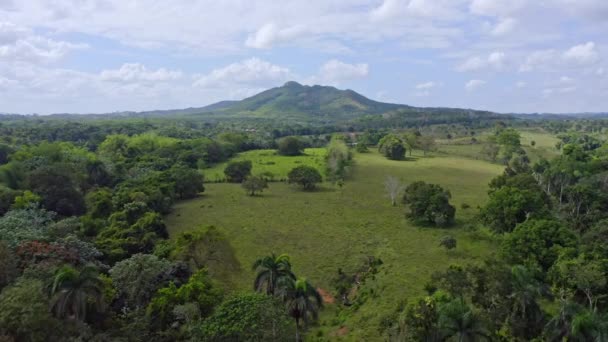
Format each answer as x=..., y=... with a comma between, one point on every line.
x=238, y=171
x=429, y=203
x=448, y=242
x=391, y=146
x=338, y=160
x=393, y=188
x=272, y=271
x=532, y=143
x=290, y=146
x=303, y=302
x=362, y=147
x=254, y=184
x=73, y=289
x=426, y=143
x=305, y=176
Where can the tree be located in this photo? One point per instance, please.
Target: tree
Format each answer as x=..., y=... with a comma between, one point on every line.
x=448, y=242
x=57, y=186
x=457, y=320
x=25, y=315
x=429, y=203
x=290, y=146
x=138, y=278
x=7, y=197
x=510, y=206
x=254, y=184
x=303, y=302
x=272, y=271
x=305, y=176
x=584, y=276
x=8, y=265
x=188, y=182
x=391, y=146
x=21, y=225
x=238, y=171
x=72, y=289
x=426, y=143
x=537, y=243
x=393, y=188
x=246, y=317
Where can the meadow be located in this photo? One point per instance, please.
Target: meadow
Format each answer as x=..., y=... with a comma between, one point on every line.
x=335, y=228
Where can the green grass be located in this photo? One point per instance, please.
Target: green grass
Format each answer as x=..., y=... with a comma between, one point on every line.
x=333, y=228
x=269, y=161
x=545, y=144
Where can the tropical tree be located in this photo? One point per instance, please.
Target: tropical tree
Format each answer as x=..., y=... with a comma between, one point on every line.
x=459, y=322
x=590, y=326
x=305, y=176
x=72, y=289
x=303, y=302
x=254, y=184
x=272, y=270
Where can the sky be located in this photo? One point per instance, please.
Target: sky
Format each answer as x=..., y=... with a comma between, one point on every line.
x=95, y=56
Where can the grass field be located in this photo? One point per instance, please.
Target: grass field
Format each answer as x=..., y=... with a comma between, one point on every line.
x=268, y=161
x=333, y=228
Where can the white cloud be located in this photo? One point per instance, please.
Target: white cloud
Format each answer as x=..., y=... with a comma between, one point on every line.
x=473, y=85
x=504, y=26
x=495, y=60
x=133, y=72
x=252, y=71
x=582, y=54
x=521, y=84
x=426, y=85
x=20, y=44
x=496, y=7
x=269, y=34
x=336, y=71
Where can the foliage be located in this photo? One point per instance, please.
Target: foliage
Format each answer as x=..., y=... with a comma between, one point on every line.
x=246, y=317
x=303, y=302
x=273, y=270
x=338, y=160
x=138, y=278
x=509, y=206
x=305, y=176
x=429, y=203
x=72, y=289
x=393, y=188
x=448, y=242
x=290, y=146
x=188, y=182
x=21, y=225
x=391, y=146
x=24, y=313
x=199, y=290
x=254, y=184
x=8, y=265
x=238, y=171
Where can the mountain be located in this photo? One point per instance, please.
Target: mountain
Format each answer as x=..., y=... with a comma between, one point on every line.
x=308, y=103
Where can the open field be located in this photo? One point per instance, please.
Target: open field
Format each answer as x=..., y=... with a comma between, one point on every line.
x=268, y=161
x=333, y=228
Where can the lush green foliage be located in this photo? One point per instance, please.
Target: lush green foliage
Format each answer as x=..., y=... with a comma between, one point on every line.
x=391, y=146
x=305, y=176
x=429, y=203
x=238, y=171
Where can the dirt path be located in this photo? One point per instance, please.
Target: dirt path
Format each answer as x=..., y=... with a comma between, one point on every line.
x=327, y=297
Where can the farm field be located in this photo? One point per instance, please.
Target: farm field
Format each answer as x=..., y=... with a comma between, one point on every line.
x=267, y=161
x=338, y=228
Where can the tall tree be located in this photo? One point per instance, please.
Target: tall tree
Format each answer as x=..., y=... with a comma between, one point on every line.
x=303, y=302
x=272, y=271
x=72, y=289
x=457, y=320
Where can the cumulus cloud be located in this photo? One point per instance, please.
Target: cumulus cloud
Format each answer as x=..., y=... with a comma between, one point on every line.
x=473, y=85
x=582, y=54
x=426, y=85
x=20, y=44
x=495, y=60
x=252, y=71
x=269, y=34
x=504, y=26
x=337, y=71
x=133, y=72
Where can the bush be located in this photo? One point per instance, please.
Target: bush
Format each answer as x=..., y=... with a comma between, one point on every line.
x=305, y=176
x=290, y=146
x=254, y=184
x=429, y=203
x=392, y=147
x=238, y=171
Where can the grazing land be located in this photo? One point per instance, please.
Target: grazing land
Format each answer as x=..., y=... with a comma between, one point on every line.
x=339, y=227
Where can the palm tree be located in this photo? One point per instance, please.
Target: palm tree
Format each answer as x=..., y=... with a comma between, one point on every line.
x=526, y=290
x=272, y=270
x=303, y=302
x=559, y=328
x=457, y=320
x=72, y=289
x=590, y=326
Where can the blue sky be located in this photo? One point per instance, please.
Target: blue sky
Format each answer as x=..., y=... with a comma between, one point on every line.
x=91, y=56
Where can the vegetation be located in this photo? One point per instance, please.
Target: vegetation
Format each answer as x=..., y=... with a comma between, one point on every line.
x=305, y=176
x=391, y=146
x=429, y=203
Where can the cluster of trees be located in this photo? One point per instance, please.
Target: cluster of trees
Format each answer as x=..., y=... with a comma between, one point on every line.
x=549, y=279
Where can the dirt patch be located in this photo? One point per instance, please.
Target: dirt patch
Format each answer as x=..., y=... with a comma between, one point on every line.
x=327, y=297
x=340, y=332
